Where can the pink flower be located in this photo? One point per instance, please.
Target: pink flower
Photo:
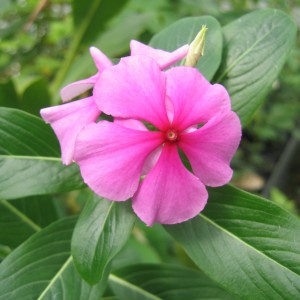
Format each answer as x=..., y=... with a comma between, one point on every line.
x=68, y=120
x=188, y=113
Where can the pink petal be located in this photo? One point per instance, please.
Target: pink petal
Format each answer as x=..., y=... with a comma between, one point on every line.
x=169, y=194
x=76, y=88
x=211, y=148
x=164, y=59
x=101, y=60
x=131, y=123
x=133, y=89
x=67, y=120
x=111, y=158
x=195, y=100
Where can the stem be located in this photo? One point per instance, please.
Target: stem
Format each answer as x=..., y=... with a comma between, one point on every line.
x=73, y=50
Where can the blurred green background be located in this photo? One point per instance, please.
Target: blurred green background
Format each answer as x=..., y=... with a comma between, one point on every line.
x=43, y=46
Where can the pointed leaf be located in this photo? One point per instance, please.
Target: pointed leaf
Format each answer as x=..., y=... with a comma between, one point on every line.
x=42, y=268
x=245, y=243
x=164, y=282
x=184, y=31
x=256, y=47
x=102, y=230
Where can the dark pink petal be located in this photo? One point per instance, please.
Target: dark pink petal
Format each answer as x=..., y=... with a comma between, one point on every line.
x=101, y=60
x=67, y=120
x=164, y=59
x=169, y=194
x=133, y=89
x=76, y=88
x=111, y=158
x=211, y=148
x=195, y=100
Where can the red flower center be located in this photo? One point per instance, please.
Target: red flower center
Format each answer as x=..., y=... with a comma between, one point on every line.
x=171, y=135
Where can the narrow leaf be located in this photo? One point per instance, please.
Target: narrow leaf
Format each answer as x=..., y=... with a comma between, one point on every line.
x=256, y=47
x=102, y=230
x=247, y=244
x=42, y=268
x=184, y=31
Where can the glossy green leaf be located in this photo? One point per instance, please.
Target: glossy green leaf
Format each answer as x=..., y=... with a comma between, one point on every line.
x=102, y=230
x=29, y=158
x=256, y=47
x=184, y=31
x=42, y=268
x=21, y=218
x=165, y=282
x=247, y=244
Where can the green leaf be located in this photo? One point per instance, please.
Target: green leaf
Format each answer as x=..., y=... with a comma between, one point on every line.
x=256, y=47
x=21, y=218
x=29, y=163
x=247, y=244
x=102, y=230
x=164, y=282
x=25, y=134
x=184, y=31
x=42, y=268
x=22, y=176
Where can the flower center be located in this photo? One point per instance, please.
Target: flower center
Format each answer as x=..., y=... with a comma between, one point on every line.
x=172, y=135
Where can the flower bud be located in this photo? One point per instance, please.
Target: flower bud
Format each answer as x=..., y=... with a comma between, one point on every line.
x=196, y=49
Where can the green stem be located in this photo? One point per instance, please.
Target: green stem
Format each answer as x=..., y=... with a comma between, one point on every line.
x=70, y=56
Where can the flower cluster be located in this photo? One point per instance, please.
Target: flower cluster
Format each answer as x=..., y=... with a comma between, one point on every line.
x=159, y=116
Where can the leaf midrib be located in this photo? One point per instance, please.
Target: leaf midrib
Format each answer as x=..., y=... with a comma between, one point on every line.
x=56, y=276
x=123, y=282
x=245, y=243
x=238, y=59
x=27, y=157
x=20, y=215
